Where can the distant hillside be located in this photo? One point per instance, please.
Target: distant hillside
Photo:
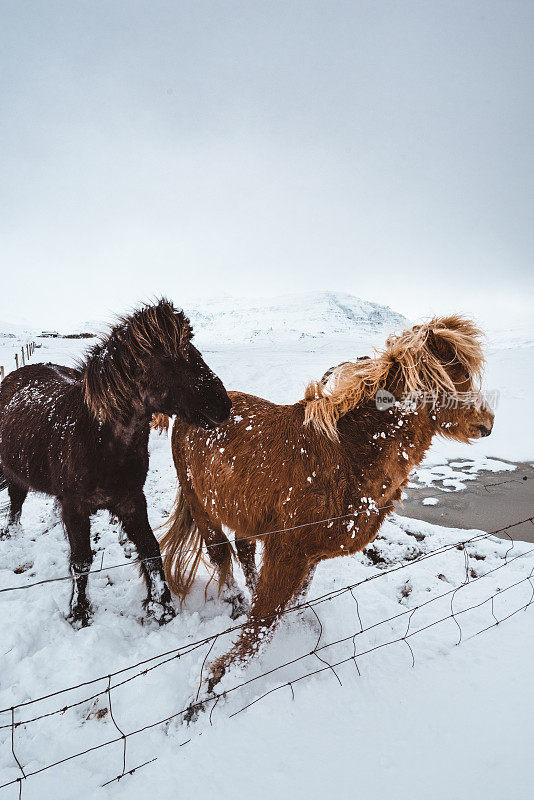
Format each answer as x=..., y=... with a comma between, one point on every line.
x=290, y=318
x=21, y=331
x=284, y=319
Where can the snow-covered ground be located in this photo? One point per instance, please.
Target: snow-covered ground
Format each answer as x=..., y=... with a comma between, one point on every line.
x=458, y=724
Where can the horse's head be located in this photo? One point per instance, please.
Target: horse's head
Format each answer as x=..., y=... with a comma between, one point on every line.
x=434, y=368
x=449, y=365
x=462, y=413
x=175, y=379
x=149, y=359
x=469, y=418
x=184, y=385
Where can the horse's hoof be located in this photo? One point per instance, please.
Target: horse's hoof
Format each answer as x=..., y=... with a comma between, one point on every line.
x=11, y=529
x=239, y=605
x=217, y=672
x=199, y=707
x=190, y=716
x=80, y=618
x=162, y=613
x=128, y=548
x=193, y=713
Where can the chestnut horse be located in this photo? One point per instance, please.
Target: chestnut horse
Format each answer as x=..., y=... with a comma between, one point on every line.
x=322, y=473
x=82, y=435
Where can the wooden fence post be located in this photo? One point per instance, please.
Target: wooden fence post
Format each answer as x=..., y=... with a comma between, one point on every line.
x=22, y=351
x=17, y=360
x=1, y=374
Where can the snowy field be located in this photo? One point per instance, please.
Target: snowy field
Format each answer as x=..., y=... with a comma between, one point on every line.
x=416, y=715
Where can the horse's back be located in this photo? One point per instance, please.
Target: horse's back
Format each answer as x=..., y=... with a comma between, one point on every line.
x=250, y=417
x=247, y=472
x=37, y=403
x=34, y=388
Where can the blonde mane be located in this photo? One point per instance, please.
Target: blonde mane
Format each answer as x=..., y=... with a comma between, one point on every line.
x=420, y=356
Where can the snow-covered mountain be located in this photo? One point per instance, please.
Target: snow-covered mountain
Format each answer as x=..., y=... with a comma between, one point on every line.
x=19, y=330
x=284, y=319
x=290, y=318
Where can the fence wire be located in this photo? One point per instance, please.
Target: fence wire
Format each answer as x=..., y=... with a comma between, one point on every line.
x=319, y=652
x=134, y=562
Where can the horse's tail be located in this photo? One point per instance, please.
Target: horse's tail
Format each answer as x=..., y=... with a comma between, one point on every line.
x=160, y=423
x=181, y=547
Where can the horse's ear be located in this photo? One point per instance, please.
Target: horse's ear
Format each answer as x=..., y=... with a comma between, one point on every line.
x=440, y=347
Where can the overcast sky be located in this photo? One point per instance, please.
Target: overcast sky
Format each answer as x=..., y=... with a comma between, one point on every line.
x=254, y=148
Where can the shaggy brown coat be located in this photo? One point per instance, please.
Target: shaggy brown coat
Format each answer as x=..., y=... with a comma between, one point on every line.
x=324, y=471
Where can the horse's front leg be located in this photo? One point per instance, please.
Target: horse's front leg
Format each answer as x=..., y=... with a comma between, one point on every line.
x=132, y=514
x=17, y=495
x=78, y=530
x=282, y=575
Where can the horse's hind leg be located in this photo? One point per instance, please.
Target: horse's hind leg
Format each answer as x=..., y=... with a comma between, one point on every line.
x=81, y=556
x=17, y=496
x=219, y=551
x=246, y=552
x=220, y=554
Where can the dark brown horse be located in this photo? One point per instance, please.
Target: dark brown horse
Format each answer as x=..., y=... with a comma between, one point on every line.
x=82, y=435
x=322, y=473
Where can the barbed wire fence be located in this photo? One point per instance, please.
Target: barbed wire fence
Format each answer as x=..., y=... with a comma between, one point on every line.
x=16, y=717
x=133, y=562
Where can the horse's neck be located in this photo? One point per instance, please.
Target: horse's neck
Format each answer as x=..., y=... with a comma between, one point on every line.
x=390, y=442
x=132, y=430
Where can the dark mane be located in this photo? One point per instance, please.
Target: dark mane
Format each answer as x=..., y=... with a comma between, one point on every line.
x=112, y=363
